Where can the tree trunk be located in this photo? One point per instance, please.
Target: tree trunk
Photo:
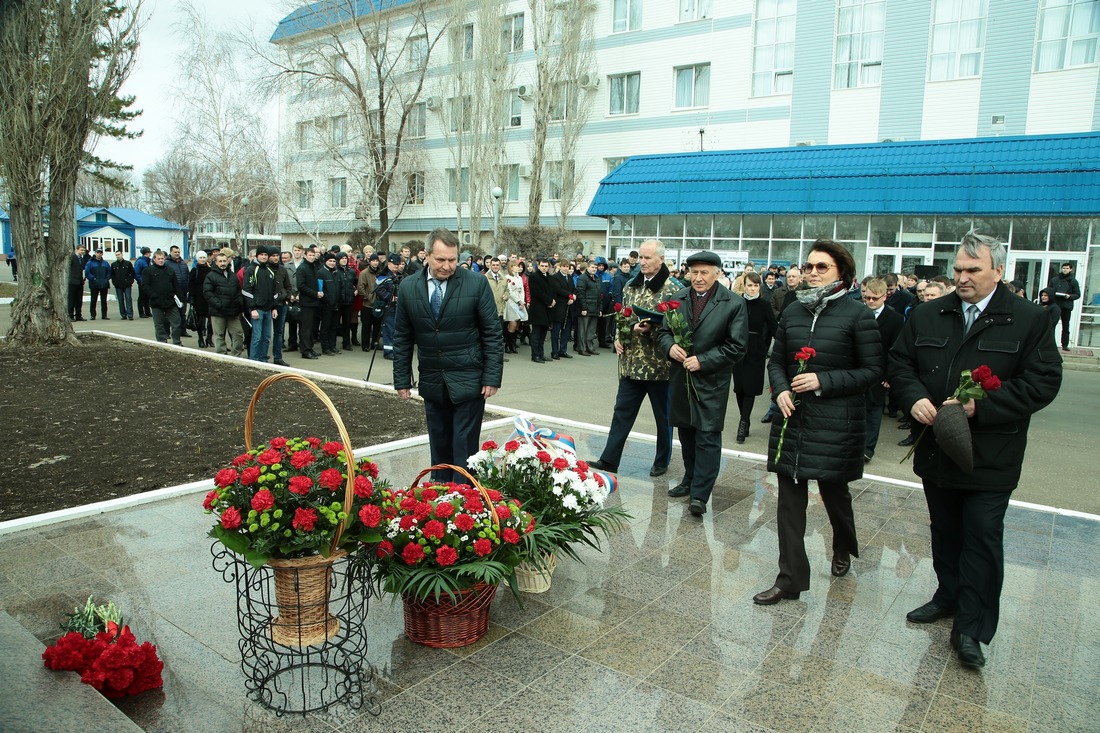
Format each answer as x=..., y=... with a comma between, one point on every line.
x=39, y=312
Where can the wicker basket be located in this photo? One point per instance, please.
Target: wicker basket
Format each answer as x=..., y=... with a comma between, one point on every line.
x=531, y=578
x=302, y=584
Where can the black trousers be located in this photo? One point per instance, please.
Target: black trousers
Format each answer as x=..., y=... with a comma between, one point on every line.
x=100, y=295
x=1066, y=315
x=76, y=300
x=702, y=454
x=873, y=422
x=794, y=565
x=454, y=432
x=143, y=303
x=330, y=324
x=628, y=402
x=968, y=555
x=306, y=322
x=538, y=342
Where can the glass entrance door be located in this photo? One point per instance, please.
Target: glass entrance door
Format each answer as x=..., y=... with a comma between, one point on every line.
x=1035, y=270
x=884, y=260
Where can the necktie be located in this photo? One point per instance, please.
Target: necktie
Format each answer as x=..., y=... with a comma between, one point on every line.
x=437, y=299
x=971, y=316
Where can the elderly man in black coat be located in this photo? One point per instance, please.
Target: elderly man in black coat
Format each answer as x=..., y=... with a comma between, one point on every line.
x=450, y=315
x=980, y=324
x=717, y=323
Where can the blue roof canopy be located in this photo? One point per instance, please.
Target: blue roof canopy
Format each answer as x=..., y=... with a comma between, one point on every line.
x=1036, y=175
x=316, y=16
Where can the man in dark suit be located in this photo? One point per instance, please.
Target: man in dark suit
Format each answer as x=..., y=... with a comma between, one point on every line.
x=562, y=284
x=1066, y=290
x=719, y=328
x=889, y=324
x=540, y=308
x=449, y=314
x=981, y=323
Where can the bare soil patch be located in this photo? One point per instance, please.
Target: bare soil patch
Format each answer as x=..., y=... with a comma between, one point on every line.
x=111, y=418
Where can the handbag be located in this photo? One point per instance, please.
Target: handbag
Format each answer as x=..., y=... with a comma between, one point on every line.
x=192, y=321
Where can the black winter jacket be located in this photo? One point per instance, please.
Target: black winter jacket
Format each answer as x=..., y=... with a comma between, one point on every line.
x=562, y=287
x=1012, y=337
x=195, y=287
x=589, y=288
x=825, y=435
x=222, y=292
x=542, y=294
x=122, y=273
x=262, y=288
x=179, y=270
x=748, y=374
x=161, y=285
x=305, y=277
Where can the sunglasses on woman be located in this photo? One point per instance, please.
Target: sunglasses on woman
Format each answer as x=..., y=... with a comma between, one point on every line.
x=819, y=266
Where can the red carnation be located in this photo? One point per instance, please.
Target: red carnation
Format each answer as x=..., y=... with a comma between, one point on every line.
x=263, y=500
x=231, y=518
x=511, y=446
x=444, y=509
x=494, y=495
x=278, y=443
x=981, y=373
x=407, y=521
x=445, y=556
x=483, y=547
x=510, y=536
x=503, y=512
x=530, y=527
x=304, y=519
x=992, y=384
x=225, y=477
x=369, y=467
x=250, y=475
x=673, y=304
x=560, y=463
x=662, y=307
x=385, y=548
x=210, y=500
x=412, y=554
x=370, y=515
x=464, y=522
x=489, y=445
x=408, y=503
x=429, y=494
x=332, y=448
x=543, y=456
x=300, y=485
x=270, y=457
x=314, y=442
x=331, y=479
x=363, y=487
x=473, y=505
x=805, y=353
x=582, y=466
x=434, y=530
x=301, y=458
x=422, y=510
x=628, y=312
x=618, y=307
x=242, y=459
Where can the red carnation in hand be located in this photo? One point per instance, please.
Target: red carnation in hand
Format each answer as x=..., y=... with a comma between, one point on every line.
x=263, y=500
x=301, y=458
x=412, y=554
x=250, y=475
x=278, y=443
x=981, y=373
x=464, y=522
x=231, y=518
x=225, y=477
x=444, y=509
x=483, y=547
x=805, y=353
x=489, y=445
x=332, y=448
x=662, y=307
x=385, y=548
x=510, y=536
x=673, y=304
x=364, y=487
x=511, y=446
x=618, y=307
x=628, y=312
x=434, y=529
x=304, y=519
x=331, y=479
x=992, y=384
x=210, y=500
x=270, y=457
x=300, y=485
x=370, y=515
x=543, y=457
x=445, y=556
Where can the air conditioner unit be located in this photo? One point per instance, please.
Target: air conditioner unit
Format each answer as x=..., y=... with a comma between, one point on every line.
x=525, y=91
x=892, y=140
x=589, y=81
x=433, y=103
x=362, y=210
x=467, y=238
x=805, y=143
x=525, y=171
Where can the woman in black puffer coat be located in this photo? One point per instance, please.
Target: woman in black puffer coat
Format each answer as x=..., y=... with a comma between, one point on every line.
x=824, y=436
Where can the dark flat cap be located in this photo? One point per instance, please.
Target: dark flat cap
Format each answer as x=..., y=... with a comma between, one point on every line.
x=704, y=258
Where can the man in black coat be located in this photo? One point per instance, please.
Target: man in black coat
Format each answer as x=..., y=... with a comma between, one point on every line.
x=538, y=312
x=122, y=277
x=980, y=324
x=222, y=292
x=165, y=297
x=1066, y=290
x=450, y=315
x=562, y=284
x=77, y=263
x=889, y=324
x=310, y=297
x=719, y=328
x=897, y=297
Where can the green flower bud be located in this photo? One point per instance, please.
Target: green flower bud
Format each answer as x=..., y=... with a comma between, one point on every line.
x=278, y=514
x=265, y=519
x=252, y=514
x=274, y=526
x=253, y=527
x=287, y=533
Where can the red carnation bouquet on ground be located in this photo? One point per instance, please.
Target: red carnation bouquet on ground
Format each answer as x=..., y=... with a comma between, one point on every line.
x=951, y=426
x=803, y=357
x=681, y=334
x=105, y=653
x=285, y=499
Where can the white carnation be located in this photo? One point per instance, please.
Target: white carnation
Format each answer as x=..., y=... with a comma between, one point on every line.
x=477, y=459
x=570, y=502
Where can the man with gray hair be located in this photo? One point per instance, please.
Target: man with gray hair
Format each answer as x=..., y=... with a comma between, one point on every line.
x=980, y=324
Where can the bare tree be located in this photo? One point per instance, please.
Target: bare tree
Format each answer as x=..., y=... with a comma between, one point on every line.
x=180, y=189
x=106, y=187
x=62, y=65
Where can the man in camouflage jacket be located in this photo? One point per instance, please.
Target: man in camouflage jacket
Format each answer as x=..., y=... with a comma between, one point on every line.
x=643, y=371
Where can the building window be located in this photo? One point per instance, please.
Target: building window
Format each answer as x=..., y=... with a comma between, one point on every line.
x=511, y=33
x=693, y=86
x=417, y=124
x=694, y=10
x=773, y=47
x=1068, y=31
x=305, y=194
x=338, y=129
x=338, y=193
x=513, y=110
x=559, y=179
x=414, y=188
x=458, y=185
x=859, y=34
x=418, y=52
x=625, y=90
x=304, y=134
x=510, y=184
x=307, y=76
x=626, y=15
x=613, y=163
x=958, y=37
x=563, y=102
x=461, y=111
x=462, y=43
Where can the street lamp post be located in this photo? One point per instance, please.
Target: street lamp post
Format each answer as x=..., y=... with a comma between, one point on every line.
x=498, y=194
x=244, y=209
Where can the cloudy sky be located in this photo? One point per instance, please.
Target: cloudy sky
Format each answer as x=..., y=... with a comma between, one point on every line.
x=156, y=69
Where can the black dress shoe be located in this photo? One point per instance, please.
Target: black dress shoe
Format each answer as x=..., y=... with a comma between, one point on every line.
x=773, y=595
x=555, y=357
x=908, y=440
x=905, y=425
x=929, y=613
x=566, y=356
x=698, y=507
x=309, y=355
x=280, y=362
x=658, y=470
x=679, y=490
x=601, y=465
x=867, y=457
x=767, y=418
x=842, y=563
x=970, y=651
x=538, y=360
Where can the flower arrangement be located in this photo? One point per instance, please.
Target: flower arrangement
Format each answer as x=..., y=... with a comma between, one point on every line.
x=284, y=500
x=974, y=384
x=564, y=495
x=624, y=324
x=681, y=334
x=439, y=539
x=803, y=358
x=105, y=653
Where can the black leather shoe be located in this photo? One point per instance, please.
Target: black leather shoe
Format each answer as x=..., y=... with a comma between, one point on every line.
x=566, y=356
x=555, y=357
x=280, y=362
x=929, y=613
x=867, y=457
x=842, y=563
x=658, y=470
x=309, y=355
x=538, y=360
x=679, y=490
x=600, y=465
x=970, y=651
x=905, y=425
x=907, y=441
x=767, y=418
x=698, y=507
x=773, y=595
